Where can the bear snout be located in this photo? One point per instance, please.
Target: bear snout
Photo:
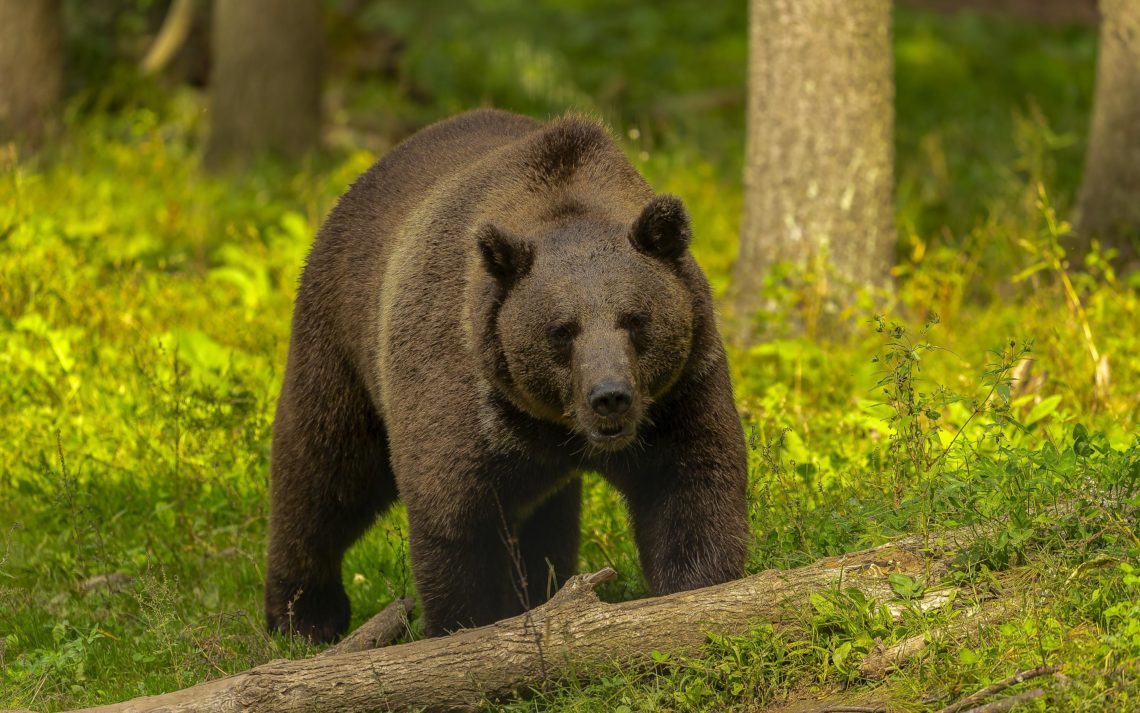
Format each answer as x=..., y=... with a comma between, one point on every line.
x=611, y=399
x=613, y=415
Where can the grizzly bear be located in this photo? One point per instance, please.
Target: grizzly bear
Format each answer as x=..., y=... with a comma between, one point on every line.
x=496, y=306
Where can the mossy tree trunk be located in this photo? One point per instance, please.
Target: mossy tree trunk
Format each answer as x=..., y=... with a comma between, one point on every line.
x=31, y=68
x=1109, y=204
x=818, y=177
x=265, y=93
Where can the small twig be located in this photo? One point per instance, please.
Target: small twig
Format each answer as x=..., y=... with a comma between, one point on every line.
x=854, y=709
x=112, y=582
x=1006, y=704
x=993, y=688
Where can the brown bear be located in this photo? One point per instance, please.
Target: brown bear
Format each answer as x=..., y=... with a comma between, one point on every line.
x=496, y=306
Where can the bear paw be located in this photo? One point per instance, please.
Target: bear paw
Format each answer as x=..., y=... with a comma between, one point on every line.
x=319, y=612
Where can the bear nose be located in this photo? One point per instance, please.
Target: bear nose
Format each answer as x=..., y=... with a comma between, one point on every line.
x=611, y=398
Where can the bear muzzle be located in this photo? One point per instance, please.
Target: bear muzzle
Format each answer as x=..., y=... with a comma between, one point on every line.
x=611, y=409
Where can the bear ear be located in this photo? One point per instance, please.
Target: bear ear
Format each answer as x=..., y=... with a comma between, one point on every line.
x=662, y=230
x=505, y=256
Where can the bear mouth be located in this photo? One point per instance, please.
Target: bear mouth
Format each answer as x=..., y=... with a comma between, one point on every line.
x=611, y=436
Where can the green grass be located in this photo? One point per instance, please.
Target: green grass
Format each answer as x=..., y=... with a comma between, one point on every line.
x=144, y=313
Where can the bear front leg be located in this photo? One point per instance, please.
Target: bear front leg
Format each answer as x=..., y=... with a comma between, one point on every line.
x=687, y=490
x=463, y=572
x=548, y=543
x=330, y=478
x=692, y=532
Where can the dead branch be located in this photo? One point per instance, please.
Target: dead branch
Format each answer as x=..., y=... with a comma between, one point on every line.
x=380, y=630
x=995, y=688
x=171, y=36
x=1006, y=704
x=572, y=635
x=835, y=701
x=880, y=661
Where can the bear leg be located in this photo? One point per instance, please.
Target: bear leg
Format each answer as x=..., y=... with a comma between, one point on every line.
x=330, y=478
x=548, y=544
x=691, y=533
x=463, y=580
x=686, y=490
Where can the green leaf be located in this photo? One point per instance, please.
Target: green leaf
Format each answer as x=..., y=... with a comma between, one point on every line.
x=1030, y=271
x=906, y=587
x=1042, y=410
x=821, y=604
x=1003, y=392
x=839, y=656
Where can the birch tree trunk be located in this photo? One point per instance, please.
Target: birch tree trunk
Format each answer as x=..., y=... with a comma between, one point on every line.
x=31, y=67
x=265, y=93
x=1109, y=203
x=818, y=177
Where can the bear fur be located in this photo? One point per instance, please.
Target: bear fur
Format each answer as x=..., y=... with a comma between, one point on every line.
x=494, y=307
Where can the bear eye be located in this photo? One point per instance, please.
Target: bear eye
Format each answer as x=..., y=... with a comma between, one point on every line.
x=634, y=323
x=561, y=334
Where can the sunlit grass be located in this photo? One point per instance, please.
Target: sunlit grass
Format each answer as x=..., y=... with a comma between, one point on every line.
x=144, y=315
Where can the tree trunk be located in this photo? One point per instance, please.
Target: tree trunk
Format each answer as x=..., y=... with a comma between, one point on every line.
x=818, y=177
x=31, y=68
x=265, y=92
x=572, y=635
x=1109, y=202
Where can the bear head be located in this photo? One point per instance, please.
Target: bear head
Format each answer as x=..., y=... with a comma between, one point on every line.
x=588, y=323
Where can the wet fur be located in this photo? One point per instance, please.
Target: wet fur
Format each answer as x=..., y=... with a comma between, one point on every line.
x=398, y=382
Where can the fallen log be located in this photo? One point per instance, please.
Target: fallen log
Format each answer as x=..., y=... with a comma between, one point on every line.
x=573, y=635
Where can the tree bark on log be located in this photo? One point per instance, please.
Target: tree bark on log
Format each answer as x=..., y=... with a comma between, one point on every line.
x=573, y=635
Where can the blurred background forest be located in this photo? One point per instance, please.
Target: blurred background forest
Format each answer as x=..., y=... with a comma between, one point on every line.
x=952, y=343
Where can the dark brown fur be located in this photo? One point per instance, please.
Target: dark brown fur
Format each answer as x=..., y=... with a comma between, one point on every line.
x=460, y=310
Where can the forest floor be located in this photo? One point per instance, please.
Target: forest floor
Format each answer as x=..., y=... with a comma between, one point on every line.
x=144, y=316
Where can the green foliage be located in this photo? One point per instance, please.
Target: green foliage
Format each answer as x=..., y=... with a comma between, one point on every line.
x=844, y=625
x=144, y=316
